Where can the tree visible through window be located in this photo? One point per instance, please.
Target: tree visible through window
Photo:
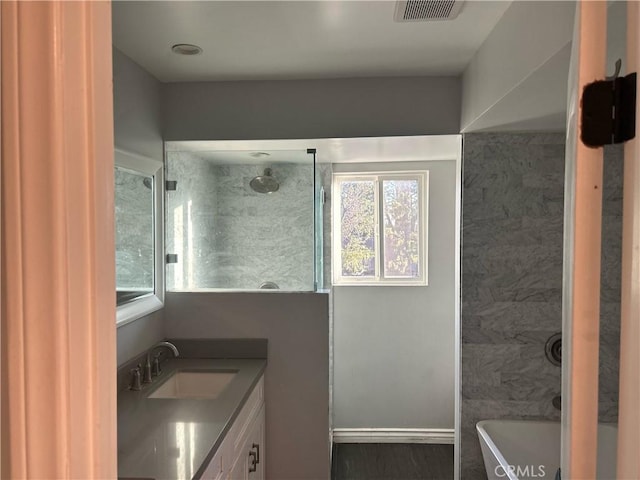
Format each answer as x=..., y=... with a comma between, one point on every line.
x=401, y=209
x=379, y=233
x=358, y=228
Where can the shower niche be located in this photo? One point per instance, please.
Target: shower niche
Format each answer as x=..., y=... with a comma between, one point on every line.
x=242, y=219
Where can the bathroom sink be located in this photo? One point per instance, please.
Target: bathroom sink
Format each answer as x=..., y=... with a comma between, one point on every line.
x=195, y=384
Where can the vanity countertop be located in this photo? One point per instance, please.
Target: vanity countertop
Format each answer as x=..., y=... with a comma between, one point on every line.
x=176, y=438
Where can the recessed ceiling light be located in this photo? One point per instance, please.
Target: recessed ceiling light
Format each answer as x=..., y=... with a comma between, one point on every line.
x=186, y=49
x=259, y=154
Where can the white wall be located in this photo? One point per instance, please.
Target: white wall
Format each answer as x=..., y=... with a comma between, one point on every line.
x=363, y=107
x=296, y=326
x=136, y=112
x=393, y=352
x=135, y=337
x=517, y=80
x=529, y=40
x=136, y=108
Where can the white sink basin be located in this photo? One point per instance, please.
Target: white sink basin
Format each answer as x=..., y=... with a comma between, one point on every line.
x=202, y=384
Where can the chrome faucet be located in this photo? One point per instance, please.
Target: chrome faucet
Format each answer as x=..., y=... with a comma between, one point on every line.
x=148, y=372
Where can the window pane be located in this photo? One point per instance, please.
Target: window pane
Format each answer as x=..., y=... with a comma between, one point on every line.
x=401, y=210
x=357, y=199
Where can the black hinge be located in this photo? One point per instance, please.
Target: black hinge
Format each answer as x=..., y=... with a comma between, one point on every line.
x=171, y=185
x=609, y=111
x=172, y=258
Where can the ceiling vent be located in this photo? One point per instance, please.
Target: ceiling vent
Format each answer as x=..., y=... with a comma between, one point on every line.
x=427, y=10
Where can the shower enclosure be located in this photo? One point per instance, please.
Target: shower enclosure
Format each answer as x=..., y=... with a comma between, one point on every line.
x=242, y=220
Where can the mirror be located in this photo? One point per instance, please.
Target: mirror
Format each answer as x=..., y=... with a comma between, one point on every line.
x=134, y=235
x=138, y=231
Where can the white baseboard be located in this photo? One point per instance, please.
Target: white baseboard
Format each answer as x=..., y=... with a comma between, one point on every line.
x=393, y=435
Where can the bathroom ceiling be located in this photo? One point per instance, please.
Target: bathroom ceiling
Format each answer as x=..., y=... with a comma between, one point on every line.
x=267, y=40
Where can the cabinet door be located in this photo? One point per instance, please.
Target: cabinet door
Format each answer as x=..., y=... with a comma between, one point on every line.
x=249, y=464
x=215, y=470
x=257, y=445
x=240, y=469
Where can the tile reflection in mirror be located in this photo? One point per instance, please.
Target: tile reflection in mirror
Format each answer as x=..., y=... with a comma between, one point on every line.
x=134, y=235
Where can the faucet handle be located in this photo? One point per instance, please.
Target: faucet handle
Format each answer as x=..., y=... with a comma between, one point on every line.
x=156, y=365
x=146, y=376
x=135, y=378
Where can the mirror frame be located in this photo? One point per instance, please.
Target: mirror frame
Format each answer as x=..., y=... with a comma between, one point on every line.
x=151, y=302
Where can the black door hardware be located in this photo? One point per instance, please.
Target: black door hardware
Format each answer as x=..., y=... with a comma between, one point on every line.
x=609, y=110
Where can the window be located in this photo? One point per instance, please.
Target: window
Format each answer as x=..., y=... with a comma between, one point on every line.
x=380, y=228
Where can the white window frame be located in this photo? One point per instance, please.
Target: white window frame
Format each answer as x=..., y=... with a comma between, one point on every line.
x=422, y=176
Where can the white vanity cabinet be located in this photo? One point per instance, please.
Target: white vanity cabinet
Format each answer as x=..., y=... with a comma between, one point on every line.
x=249, y=465
x=241, y=455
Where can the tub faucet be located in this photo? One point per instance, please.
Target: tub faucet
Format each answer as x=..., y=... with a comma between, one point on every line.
x=148, y=372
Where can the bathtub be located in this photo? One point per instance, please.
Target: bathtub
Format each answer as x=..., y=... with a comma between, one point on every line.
x=527, y=449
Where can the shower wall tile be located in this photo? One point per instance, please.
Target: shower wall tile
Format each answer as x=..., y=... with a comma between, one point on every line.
x=611, y=275
x=227, y=235
x=512, y=232
x=190, y=215
x=324, y=176
x=264, y=238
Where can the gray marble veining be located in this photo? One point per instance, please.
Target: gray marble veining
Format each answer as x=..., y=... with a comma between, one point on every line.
x=610, y=281
x=227, y=235
x=324, y=173
x=512, y=231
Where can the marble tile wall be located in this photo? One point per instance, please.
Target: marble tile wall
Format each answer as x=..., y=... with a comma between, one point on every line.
x=324, y=172
x=240, y=238
x=512, y=231
x=190, y=220
x=265, y=237
x=611, y=283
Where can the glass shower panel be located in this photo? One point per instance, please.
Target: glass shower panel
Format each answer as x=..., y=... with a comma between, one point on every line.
x=324, y=174
x=241, y=220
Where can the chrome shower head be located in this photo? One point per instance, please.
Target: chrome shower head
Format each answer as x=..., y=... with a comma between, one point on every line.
x=264, y=183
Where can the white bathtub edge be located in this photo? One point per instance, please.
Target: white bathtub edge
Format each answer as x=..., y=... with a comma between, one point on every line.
x=494, y=450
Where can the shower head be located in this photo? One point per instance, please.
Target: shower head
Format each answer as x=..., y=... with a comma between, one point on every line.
x=264, y=183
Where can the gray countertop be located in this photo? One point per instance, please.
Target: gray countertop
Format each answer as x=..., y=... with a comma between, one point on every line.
x=176, y=438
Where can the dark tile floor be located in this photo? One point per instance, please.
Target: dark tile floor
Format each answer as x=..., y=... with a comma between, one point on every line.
x=391, y=461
